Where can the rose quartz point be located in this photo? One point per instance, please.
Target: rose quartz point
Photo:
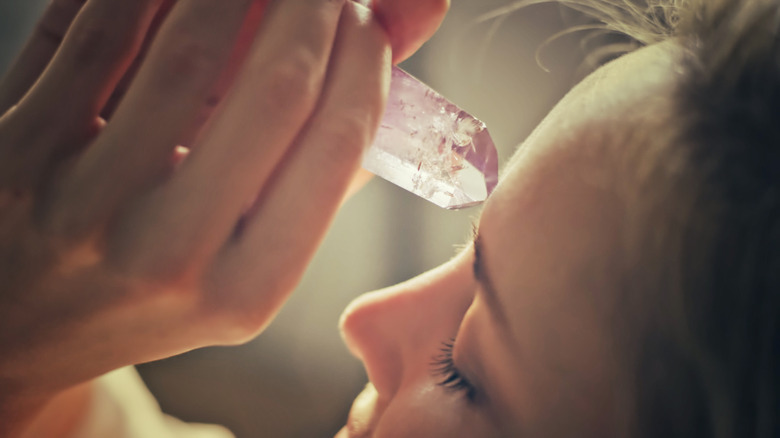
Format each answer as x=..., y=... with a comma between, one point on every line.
x=432, y=148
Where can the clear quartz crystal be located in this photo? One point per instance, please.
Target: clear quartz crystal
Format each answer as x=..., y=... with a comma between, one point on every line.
x=432, y=148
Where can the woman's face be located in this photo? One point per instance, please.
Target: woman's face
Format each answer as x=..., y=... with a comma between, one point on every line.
x=518, y=324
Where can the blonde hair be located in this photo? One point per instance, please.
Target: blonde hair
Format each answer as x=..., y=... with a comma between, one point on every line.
x=647, y=22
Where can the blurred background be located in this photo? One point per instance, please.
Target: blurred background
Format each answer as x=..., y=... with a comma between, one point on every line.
x=297, y=379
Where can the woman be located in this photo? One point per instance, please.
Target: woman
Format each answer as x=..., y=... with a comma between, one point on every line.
x=622, y=281
x=625, y=274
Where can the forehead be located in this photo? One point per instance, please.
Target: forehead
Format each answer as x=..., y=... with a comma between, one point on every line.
x=577, y=150
x=569, y=167
x=553, y=230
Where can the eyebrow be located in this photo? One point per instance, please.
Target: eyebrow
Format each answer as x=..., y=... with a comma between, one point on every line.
x=480, y=274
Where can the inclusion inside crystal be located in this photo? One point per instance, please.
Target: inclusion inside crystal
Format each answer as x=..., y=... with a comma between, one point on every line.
x=432, y=148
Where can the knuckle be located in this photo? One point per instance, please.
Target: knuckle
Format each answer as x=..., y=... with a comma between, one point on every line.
x=91, y=42
x=56, y=20
x=102, y=32
x=293, y=83
x=100, y=41
x=189, y=56
x=347, y=134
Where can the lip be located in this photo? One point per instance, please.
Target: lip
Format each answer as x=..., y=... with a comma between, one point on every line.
x=363, y=416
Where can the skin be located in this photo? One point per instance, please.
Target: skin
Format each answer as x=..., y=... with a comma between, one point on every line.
x=544, y=358
x=117, y=247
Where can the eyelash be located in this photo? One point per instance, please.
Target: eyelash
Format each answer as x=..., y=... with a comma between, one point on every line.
x=443, y=364
x=443, y=367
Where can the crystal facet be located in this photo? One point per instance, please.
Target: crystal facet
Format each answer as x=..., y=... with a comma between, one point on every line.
x=432, y=148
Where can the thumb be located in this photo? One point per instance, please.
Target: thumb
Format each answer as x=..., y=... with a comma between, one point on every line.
x=409, y=23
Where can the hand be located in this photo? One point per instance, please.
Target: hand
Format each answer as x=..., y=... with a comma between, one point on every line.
x=116, y=247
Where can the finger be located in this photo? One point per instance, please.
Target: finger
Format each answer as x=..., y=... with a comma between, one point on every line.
x=98, y=47
x=291, y=219
x=245, y=37
x=30, y=153
x=38, y=51
x=124, y=83
x=409, y=23
x=274, y=95
x=358, y=182
x=176, y=79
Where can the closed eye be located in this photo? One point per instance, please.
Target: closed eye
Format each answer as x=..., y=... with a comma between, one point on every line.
x=444, y=369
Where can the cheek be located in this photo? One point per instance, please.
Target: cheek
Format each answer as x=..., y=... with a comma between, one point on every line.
x=426, y=410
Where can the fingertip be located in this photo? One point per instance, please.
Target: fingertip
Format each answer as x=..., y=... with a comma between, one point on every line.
x=361, y=178
x=372, y=36
x=409, y=23
x=368, y=17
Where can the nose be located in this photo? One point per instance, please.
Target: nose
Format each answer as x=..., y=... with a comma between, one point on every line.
x=397, y=331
